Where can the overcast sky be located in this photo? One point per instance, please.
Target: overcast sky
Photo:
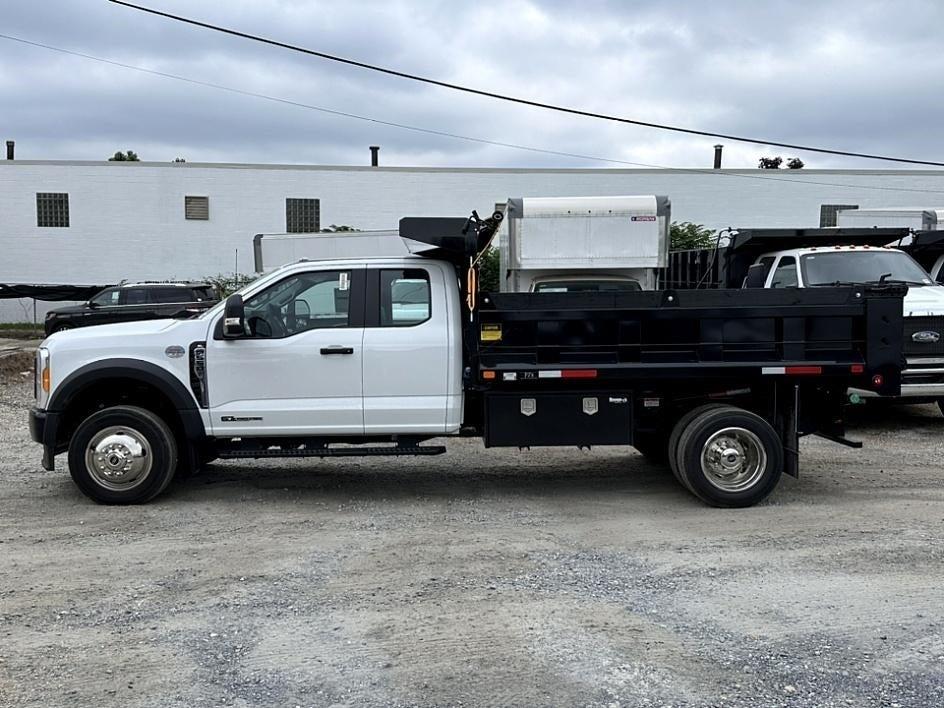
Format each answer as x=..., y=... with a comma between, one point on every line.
x=857, y=75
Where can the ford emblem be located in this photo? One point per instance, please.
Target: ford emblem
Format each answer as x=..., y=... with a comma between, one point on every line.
x=926, y=337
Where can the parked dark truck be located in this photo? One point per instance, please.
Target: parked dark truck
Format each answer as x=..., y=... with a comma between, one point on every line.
x=375, y=356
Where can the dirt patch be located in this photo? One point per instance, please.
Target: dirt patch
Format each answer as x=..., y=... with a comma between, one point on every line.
x=16, y=365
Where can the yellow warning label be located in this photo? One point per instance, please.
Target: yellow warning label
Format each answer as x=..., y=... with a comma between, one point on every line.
x=491, y=333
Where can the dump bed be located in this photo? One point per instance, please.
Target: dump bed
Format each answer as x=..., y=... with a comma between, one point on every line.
x=849, y=336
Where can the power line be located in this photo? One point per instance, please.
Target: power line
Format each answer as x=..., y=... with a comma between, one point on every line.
x=455, y=136
x=515, y=99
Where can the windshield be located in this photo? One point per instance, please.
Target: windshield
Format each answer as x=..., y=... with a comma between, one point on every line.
x=841, y=267
x=586, y=286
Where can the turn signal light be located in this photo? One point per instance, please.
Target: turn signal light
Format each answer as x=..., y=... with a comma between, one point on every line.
x=45, y=378
x=878, y=380
x=488, y=375
x=857, y=368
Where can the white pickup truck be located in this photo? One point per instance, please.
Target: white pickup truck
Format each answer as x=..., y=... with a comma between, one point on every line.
x=923, y=305
x=373, y=356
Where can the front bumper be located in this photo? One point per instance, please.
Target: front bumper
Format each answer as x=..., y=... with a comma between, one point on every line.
x=923, y=391
x=43, y=426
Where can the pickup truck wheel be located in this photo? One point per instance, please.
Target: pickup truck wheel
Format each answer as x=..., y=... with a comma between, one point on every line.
x=730, y=457
x=62, y=328
x=676, y=435
x=122, y=455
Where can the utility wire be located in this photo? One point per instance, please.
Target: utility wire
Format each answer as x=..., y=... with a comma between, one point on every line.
x=516, y=99
x=455, y=136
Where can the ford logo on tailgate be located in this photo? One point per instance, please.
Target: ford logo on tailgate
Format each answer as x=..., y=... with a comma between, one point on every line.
x=926, y=337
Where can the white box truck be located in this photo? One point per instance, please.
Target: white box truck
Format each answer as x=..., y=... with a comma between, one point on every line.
x=566, y=244
x=917, y=218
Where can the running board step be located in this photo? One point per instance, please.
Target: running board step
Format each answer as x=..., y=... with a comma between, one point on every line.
x=237, y=453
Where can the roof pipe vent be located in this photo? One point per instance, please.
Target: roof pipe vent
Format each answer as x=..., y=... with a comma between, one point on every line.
x=718, y=149
x=10, y=146
x=374, y=155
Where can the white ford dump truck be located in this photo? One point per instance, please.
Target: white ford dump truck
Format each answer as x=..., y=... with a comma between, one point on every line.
x=583, y=244
x=376, y=355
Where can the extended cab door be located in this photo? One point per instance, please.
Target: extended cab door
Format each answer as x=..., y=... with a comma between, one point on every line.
x=412, y=350
x=298, y=372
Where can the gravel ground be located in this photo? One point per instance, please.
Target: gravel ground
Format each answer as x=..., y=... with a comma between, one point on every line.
x=481, y=577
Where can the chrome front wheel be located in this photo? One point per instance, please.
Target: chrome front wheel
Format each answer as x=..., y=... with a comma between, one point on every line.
x=119, y=458
x=122, y=455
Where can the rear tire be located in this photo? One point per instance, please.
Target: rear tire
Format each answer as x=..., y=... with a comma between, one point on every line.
x=729, y=457
x=676, y=435
x=122, y=455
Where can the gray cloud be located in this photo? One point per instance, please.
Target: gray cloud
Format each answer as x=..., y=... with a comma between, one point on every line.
x=862, y=76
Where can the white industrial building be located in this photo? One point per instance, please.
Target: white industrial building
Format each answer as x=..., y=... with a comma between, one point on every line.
x=100, y=222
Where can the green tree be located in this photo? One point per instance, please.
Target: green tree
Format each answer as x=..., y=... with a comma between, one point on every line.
x=129, y=156
x=228, y=283
x=335, y=229
x=685, y=235
x=489, y=271
x=795, y=163
x=770, y=163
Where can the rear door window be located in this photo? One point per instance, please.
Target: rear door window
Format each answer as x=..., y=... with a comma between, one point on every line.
x=169, y=295
x=404, y=297
x=135, y=296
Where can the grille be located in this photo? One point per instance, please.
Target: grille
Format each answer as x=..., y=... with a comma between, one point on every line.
x=914, y=325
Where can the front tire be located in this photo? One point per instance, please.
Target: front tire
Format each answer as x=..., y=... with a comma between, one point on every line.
x=729, y=457
x=122, y=455
x=62, y=328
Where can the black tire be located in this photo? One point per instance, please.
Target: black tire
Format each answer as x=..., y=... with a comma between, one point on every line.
x=118, y=432
x=761, y=457
x=63, y=327
x=680, y=426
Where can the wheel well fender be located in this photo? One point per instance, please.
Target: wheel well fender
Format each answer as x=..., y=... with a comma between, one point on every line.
x=115, y=380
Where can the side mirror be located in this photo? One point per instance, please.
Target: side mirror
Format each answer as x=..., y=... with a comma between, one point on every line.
x=91, y=304
x=756, y=276
x=234, y=317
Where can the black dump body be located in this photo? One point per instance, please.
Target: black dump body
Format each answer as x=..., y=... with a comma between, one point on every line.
x=695, y=336
x=925, y=247
x=726, y=267
x=639, y=360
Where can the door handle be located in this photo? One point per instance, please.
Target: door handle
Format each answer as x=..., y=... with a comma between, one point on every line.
x=337, y=350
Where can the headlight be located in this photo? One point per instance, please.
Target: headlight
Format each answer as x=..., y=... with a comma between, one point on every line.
x=43, y=377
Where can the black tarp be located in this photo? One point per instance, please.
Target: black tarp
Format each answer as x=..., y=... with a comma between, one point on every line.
x=53, y=293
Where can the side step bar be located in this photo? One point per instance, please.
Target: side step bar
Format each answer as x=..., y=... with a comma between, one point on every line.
x=238, y=452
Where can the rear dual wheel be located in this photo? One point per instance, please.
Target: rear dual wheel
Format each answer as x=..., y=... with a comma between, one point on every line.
x=726, y=456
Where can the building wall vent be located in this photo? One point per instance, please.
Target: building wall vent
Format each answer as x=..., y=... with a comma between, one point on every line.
x=52, y=209
x=302, y=216
x=197, y=208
